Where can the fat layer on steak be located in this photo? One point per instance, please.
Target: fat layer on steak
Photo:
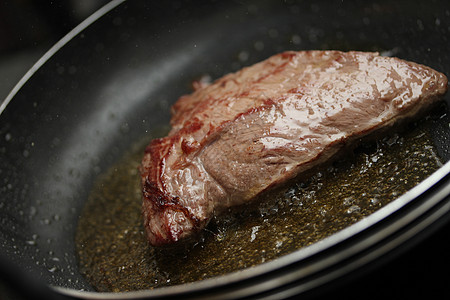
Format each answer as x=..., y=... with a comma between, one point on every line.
x=267, y=123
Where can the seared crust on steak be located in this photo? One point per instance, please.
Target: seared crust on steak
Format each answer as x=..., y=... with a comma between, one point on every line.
x=267, y=123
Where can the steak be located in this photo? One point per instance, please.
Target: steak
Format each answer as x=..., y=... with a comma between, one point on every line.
x=267, y=123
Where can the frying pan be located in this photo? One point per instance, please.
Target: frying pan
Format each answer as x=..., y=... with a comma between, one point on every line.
x=114, y=77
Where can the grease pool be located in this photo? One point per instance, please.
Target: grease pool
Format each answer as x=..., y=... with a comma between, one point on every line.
x=114, y=255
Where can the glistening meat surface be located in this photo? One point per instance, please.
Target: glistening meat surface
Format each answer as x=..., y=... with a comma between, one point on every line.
x=251, y=130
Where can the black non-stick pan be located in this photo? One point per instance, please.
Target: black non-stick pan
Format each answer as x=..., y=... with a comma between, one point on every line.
x=113, y=79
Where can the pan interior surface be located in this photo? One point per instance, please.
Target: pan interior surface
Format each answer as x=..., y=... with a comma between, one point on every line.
x=79, y=114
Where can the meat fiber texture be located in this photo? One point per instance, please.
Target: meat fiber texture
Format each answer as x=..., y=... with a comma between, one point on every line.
x=265, y=124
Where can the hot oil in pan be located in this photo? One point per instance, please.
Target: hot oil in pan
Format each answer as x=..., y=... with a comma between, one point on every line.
x=114, y=255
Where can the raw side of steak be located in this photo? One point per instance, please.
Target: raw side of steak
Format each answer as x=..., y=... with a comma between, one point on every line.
x=267, y=123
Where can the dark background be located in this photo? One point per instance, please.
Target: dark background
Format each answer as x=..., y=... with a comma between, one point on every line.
x=29, y=28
